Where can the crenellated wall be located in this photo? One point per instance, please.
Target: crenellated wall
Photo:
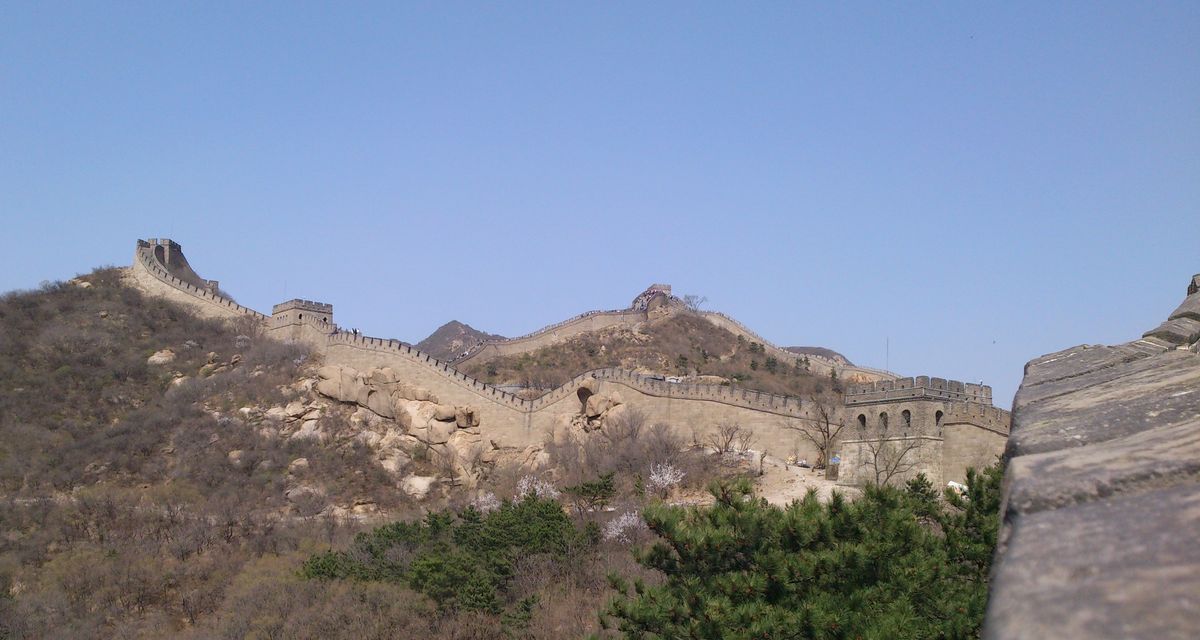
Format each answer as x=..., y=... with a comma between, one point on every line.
x=917, y=387
x=507, y=419
x=551, y=334
x=152, y=277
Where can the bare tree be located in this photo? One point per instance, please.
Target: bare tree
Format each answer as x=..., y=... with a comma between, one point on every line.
x=823, y=429
x=745, y=440
x=892, y=458
x=728, y=437
x=693, y=301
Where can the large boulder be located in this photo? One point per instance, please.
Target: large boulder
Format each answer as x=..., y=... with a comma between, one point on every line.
x=161, y=357
x=417, y=486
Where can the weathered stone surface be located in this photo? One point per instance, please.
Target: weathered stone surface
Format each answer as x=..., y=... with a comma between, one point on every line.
x=1182, y=331
x=1102, y=496
x=1189, y=309
x=1136, y=462
x=1076, y=361
x=1149, y=396
x=380, y=403
x=1085, y=367
x=1125, y=567
x=417, y=486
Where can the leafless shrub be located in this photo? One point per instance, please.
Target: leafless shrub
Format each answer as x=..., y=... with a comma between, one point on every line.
x=724, y=439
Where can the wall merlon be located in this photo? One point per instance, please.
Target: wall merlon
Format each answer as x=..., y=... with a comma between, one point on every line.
x=917, y=387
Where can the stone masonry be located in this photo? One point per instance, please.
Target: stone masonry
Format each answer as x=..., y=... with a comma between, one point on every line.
x=919, y=425
x=1102, y=492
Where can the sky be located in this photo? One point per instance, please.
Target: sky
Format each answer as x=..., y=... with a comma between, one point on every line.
x=946, y=189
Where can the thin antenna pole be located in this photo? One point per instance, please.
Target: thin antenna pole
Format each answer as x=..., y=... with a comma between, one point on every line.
x=887, y=358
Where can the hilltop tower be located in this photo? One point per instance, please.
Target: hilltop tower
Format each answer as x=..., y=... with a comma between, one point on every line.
x=655, y=296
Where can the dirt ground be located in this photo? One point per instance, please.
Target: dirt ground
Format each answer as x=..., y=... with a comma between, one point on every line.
x=781, y=486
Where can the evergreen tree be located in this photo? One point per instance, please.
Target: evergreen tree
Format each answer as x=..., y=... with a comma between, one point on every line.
x=895, y=563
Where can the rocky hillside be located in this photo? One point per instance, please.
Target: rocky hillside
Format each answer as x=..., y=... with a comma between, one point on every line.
x=681, y=345
x=452, y=338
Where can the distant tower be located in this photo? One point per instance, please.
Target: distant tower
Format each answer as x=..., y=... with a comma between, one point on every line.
x=656, y=295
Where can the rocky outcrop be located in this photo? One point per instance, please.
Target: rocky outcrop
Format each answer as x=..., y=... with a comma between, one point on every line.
x=1102, y=491
x=418, y=421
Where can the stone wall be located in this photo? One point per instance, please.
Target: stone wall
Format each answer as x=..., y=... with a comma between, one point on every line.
x=1102, y=492
x=551, y=335
x=151, y=277
x=891, y=460
x=506, y=418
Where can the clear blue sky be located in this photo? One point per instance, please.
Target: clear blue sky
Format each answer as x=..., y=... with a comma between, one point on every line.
x=976, y=184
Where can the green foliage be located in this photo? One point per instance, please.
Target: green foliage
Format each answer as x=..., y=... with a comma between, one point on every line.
x=895, y=563
x=772, y=364
x=593, y=495
x=461, y=561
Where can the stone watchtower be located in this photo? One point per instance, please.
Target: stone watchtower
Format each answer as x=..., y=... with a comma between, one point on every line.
x=302, y=321
x=654, y=297
x=896, y=429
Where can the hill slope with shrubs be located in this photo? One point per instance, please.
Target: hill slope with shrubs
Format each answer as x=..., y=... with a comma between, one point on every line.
x=143, y=495
x=680, y=344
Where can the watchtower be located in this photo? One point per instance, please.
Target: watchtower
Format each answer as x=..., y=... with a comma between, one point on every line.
x=296, y=311
x=919, y=425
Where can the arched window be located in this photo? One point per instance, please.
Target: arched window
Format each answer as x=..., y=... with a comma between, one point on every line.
x=937, y=419
x=862, y=421
x=907, y=415
x=883, y=421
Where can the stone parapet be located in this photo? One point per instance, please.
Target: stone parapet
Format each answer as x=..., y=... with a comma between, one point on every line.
x=917, y=387
x=1102, y=494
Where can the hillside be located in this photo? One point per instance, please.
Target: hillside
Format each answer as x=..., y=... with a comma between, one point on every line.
x=164, y=475
x=678, y=345
x=452, y=338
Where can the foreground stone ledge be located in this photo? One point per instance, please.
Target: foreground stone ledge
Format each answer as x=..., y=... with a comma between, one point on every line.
x=1125, y=567
x=1101, y=513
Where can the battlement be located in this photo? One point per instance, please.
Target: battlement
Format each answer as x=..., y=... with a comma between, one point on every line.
x=980, y=415
x=303, y=305
x=917, y=387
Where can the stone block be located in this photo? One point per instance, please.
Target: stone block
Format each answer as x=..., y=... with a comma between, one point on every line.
x=1190, y=308
x=1125, y=567
x=1179, y=331
x=1148, y=397
x=1141, y=461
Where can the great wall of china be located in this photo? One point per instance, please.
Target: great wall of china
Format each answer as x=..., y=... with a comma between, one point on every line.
x=658, y=296
x=513, y=421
